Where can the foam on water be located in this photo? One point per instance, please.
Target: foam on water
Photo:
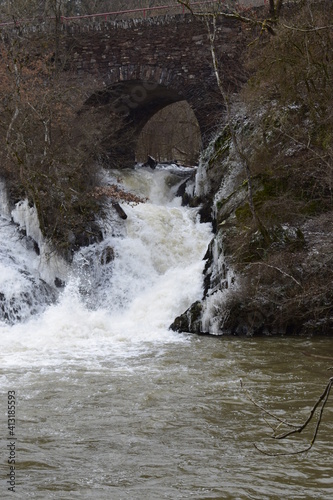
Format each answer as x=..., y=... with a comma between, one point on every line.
x=119, y=308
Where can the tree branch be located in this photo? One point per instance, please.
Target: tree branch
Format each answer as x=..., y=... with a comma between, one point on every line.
x=264, y=24
x=296, y=429
x=277, y=269
x=308, y=30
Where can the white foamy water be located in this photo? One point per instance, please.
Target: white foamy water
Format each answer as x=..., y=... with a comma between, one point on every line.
x=119, y=306
x=110, y=404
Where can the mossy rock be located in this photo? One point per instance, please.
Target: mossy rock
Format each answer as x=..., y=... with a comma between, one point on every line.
x=270, y=187
x=243, y=213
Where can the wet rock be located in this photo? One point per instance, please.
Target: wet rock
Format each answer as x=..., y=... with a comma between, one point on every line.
x=151, y=162
x=107, y=255
x=30, y=297
x=91, y=234
x=190, y=320
x=59, y=283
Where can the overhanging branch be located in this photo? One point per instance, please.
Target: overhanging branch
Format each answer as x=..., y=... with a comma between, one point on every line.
x=295, y=429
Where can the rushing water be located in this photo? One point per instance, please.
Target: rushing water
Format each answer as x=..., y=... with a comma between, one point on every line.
x=113, y=405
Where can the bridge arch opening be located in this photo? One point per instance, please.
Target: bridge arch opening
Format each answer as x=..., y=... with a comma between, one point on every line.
x=173, y=133
x=157, y=120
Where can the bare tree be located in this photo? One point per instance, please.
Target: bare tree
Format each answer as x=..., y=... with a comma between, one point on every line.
x=210, y=17
x=50, y=149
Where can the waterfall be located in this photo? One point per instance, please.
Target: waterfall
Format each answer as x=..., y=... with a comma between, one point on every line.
x=157, y=254
x=125, y=290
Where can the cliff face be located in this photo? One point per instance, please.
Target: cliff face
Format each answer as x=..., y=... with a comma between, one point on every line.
x=278, y=282
x=271, y=272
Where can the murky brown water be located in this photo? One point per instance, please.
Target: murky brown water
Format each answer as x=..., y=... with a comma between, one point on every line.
x=170, y=421
x=112, y=405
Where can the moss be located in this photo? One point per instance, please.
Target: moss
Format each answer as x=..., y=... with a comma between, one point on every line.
x=270, y=187
x=220, y=203
x=221, y=146
x=322, y=136
x=243, y=213
x=222, y=143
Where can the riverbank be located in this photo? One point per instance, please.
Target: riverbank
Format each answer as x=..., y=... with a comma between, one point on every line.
x=269, y=267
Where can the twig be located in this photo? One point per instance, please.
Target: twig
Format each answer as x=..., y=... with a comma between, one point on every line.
x=308, y=30
x=323, y=398
x=275, y=417
x=234, y=14
x=277, y=269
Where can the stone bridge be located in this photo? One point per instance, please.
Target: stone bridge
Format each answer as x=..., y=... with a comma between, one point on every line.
x=141, y=66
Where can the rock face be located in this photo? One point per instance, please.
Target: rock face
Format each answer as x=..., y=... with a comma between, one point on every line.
x=151, y=162
x=30, y=296
x=275, y=281
x=269, y=268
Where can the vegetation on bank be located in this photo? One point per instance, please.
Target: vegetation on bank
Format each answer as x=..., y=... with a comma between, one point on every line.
x=284, y=126
x=45, y=155
x=51, y=144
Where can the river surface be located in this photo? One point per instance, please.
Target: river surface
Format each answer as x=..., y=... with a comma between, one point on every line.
x=110, y=404
x=167, y=419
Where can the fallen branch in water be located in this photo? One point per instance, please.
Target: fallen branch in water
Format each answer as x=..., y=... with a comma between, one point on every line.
x=295, y=429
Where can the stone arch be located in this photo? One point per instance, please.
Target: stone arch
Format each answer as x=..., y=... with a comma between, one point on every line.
x=128, y=89
x=173, y=53
x=136, y=93
x=144, y=72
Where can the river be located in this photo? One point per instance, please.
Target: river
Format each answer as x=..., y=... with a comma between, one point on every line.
x=111, y=404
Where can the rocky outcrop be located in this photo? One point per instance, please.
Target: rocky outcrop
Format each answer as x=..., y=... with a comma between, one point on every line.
x=272, y=282
x=269, y=267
